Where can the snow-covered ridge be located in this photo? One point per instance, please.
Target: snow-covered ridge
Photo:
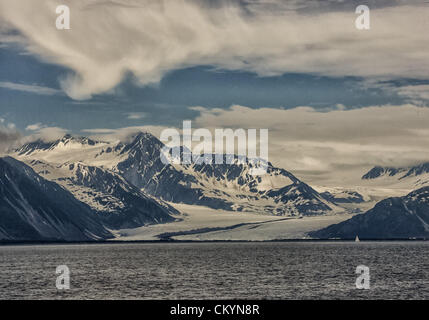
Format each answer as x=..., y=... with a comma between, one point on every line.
x=411, y=178
x=68, y=142
x=219, y=186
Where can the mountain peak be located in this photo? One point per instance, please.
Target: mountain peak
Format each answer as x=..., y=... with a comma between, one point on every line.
x=144, y=136
x=141, y=141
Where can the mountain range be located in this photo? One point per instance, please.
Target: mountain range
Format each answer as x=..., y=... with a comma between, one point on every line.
x=97, y=187
x=138, y=162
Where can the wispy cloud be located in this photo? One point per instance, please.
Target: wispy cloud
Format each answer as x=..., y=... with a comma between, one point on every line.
x=150, y=38
x=416, y=92
x=9, y=136
x=121, y=134
x=46, y=134
x=43, y=132
x=34, y=127
x=136, y=115
x=29, y=88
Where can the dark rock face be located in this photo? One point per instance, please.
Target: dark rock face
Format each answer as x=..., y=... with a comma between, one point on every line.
x=32, y=208
x=417, y=170
x=392, y=218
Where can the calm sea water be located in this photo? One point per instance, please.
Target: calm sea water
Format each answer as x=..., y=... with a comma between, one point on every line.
x=398, y=270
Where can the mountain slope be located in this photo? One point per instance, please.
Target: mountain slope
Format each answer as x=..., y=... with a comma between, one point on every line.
x=118, y=203
x=32, y=208
x=400, y=217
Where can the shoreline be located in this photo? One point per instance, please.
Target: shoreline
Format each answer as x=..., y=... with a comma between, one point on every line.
x=29, y=242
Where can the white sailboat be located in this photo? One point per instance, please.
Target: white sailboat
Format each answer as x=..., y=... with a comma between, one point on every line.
x=357, y=239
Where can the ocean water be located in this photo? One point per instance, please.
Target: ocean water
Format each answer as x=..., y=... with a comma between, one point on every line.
x=286, y=270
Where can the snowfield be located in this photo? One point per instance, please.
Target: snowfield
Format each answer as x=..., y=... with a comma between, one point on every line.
x=203, y=223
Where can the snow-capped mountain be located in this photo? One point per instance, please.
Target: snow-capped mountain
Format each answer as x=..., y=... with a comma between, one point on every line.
x=406, y=177
x=400, y=218
x=219, y=186
x=33, y=208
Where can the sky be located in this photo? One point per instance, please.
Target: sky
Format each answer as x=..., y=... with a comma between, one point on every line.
x=336, y=100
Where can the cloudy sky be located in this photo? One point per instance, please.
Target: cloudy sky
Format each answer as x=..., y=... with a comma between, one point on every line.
x=335, y=99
